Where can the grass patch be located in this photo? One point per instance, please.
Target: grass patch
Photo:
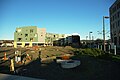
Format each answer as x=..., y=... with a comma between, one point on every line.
x=97, y=53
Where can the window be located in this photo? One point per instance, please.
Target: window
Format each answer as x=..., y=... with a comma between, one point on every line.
x=115, y=33
x=113, y=26
x=31, y=39
x=118, y=23
x=113, y=17
x=19, y=39
x=118, y=5
x=19, y=43
x=114, y=9
x=26, y=35
x=118, y=14
x=31, y=30
x=54, y=35
x=115, y=40
x=35, y=35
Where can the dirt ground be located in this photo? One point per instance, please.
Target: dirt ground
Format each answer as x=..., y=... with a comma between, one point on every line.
x=90, y=68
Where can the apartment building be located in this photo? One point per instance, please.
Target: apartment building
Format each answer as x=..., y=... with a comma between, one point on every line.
x=29, y=36
x=51, y=37
x=68, y=40
x=114, y=11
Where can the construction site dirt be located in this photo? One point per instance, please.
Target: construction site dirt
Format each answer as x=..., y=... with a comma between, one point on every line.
x=40, y=63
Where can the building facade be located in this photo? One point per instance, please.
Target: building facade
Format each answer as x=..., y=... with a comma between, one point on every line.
x=71, y=40
x=114, y=11
x=51, y=37
x=29, y=36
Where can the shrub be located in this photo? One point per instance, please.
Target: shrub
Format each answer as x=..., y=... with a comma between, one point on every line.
x=96, y=53
x=88, y=51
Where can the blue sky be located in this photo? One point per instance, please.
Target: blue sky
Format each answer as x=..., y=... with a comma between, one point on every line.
x=57, y=16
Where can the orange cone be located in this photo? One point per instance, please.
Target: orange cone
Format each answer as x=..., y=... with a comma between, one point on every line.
x=5, y=58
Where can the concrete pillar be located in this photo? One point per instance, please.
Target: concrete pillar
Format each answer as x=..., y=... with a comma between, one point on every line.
x=30, y=45
x=44, y=44
x=98, y=46
x=101, y=47
x=23, y=44
x=15, y=45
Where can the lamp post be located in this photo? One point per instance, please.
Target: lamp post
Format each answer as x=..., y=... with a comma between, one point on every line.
x=90, y=35
x=90, y=38
x=86, y=37
x=99, y=33
x=104, y=17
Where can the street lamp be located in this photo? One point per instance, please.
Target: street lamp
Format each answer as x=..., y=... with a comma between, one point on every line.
x=90, y=35
x=86, y=37
x=99, y=33
x=104, y=17
x=90, y=38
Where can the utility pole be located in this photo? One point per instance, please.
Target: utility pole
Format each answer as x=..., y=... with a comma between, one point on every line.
x=86, y=37
x=104, y=32
x=90, y=35
x=90, y=38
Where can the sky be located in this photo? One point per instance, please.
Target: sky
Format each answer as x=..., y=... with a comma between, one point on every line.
x=57, y=16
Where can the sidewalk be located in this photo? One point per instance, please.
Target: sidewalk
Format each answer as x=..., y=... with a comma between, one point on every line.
x=15, y=77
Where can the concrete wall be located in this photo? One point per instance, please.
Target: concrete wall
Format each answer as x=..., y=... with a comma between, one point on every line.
x=41, y=34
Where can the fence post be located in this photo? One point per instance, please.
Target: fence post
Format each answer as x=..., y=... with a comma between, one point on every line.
x=98, y=46
x=115, y=49
x=109, y=48
x=101, y=47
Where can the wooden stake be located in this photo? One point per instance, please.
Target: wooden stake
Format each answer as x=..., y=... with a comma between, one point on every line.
x=11, y=65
